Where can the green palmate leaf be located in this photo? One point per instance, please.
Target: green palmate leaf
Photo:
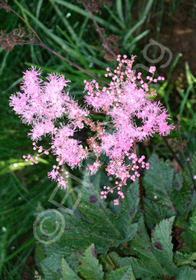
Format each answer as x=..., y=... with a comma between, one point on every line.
x=89, y=266
x=96, y=224
x=67, y=272
x=92, y=222
x=124, y=273
x=116, y=228
x=155, y=257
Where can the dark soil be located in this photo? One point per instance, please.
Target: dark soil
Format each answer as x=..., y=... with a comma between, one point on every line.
x=178, y=34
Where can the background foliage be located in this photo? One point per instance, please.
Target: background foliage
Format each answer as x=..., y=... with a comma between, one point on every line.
x=101, y=241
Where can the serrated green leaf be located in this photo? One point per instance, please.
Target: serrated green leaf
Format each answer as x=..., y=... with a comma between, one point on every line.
x=67, y=272
x=110, y=261
x=89, y=266
x=185, y=259
x=94, y=223
x=158, y=183
x=163, y=247
x=178, y=181
x=186, y=273
x=51, y=266
x=155, y=211
x=159, y=177
x=181, y=194
x=190, y=237
x=40, y=256
x=193, y=222
x=144, y=263
x=166, y=195
x=191, y=168
x=152, y=258
x=124, y=273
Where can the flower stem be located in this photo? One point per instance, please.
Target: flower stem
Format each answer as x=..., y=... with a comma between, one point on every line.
x=141, y=189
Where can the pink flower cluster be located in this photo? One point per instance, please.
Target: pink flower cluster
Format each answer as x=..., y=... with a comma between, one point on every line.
x=127, y=103
x=42, y=105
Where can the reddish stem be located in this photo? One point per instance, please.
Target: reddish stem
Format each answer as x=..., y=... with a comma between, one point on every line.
x=141, y=189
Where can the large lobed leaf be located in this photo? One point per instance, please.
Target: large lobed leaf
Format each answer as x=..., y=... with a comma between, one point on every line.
x=94, y=223
x=167, y=193
x=152, y=257
x=89, y=266
x=91, y=223
x=124, y=273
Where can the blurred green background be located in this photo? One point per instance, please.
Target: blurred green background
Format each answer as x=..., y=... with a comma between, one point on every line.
x=88, y=34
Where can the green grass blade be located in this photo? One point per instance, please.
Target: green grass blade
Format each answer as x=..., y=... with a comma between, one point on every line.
x=82, y=58
x=119, y=9
x=185, y=100
x=50, y=34
x=131, y=46
x=82, y=30
x=39, y=5
x=3, y=63
x=128, y=5
x=189, y=76
x=66, y=24
x=86, y=14
x=133, y=29
x=28, y=243
x=147, y=9
x=173, y=66
x=117, y=20
x=18, y=81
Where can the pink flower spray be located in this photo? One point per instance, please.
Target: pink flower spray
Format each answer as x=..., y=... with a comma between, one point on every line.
x=128, y=104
